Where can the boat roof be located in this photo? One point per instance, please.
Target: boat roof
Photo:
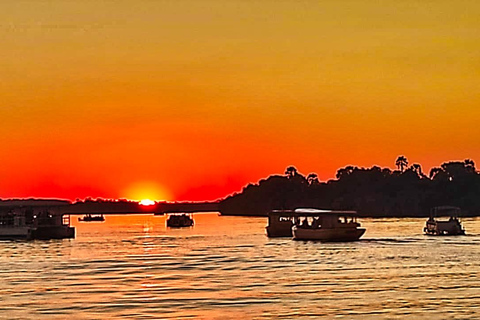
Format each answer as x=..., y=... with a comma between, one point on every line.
x=312, y=212
x=445, y=211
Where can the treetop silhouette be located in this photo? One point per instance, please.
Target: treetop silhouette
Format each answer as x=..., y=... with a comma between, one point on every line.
x=401, y=162
x=375, y=191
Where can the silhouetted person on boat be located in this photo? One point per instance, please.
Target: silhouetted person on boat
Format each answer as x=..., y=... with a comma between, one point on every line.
x=305, y=223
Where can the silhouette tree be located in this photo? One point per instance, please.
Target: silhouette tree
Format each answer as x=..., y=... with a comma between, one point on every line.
x=375, y=191
x=470, y=165
x=434, y=172
x=312, y=179
x=401, y=162
x=417, y=168
x=291, y=172
x=458, y=169
x=345, y=172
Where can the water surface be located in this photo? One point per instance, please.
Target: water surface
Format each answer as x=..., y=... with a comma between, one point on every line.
x=226, y=268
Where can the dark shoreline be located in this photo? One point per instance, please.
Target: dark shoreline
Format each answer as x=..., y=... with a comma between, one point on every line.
x=126, y=207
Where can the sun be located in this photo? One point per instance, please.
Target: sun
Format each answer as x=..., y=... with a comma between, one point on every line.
x=147, y=202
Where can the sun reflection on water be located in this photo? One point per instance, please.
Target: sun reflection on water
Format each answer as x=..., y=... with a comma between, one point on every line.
x=225, y=267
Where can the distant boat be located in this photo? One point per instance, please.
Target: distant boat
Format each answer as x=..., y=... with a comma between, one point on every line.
x=327, y=226
x=89, y=218
x=180, y=220
x=450, y=227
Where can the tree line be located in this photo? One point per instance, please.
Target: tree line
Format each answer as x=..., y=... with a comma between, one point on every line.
x=372, y=192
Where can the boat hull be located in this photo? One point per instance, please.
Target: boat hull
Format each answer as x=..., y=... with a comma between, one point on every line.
x=444, y=228
x=52, y=232
x=436, y=232
x=17, y=232
x=328, y=235
x=283, y=230
x=37, y=233
x=180, y=221
x=179, y=225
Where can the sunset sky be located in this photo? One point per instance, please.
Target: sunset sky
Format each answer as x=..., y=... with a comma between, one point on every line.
x=193, y=99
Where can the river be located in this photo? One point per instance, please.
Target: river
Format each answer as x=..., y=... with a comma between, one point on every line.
x=133, y=267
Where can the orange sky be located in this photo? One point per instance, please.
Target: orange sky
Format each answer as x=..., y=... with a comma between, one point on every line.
x=192, y=99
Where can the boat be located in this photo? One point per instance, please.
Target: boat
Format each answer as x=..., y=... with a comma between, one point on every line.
x=326, y=225
x=89, y=218
x=182, y=220
x=28, y=225
x=443, y=227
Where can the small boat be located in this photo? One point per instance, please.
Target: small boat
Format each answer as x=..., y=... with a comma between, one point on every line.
x=89, y=218
x=326, y=225
x=450, y=227
x=180, y=220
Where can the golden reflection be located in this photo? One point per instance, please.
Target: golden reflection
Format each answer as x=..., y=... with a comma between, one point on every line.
x=226, y=268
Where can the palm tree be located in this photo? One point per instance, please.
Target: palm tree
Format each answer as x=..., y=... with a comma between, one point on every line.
x=401, y=162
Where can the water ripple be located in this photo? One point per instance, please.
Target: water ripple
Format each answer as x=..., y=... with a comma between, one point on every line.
x=212, y=271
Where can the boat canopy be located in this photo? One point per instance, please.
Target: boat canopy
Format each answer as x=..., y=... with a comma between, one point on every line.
x=179, y=214
x=446, y=211
x=317, y=212
x=311, y=212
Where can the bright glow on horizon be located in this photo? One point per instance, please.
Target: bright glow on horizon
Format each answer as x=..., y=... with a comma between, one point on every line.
x=147, y=190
